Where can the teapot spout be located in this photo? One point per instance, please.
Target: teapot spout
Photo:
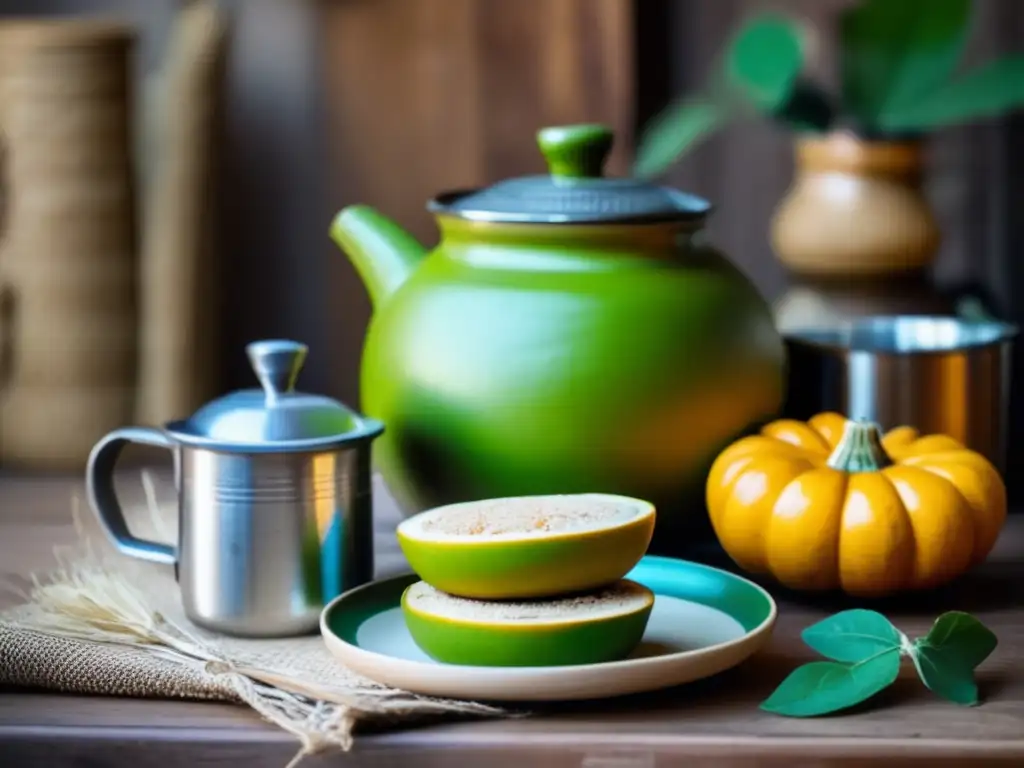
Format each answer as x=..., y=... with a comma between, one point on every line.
x=382, y=252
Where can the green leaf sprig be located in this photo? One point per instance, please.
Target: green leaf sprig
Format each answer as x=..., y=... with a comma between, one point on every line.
x=902, y=74
x=865, y=652
x=758, y=70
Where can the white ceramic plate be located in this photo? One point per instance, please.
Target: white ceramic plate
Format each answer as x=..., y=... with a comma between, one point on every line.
x=704, y=621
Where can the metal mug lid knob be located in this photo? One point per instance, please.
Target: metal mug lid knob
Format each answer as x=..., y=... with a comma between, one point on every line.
x=277, y=363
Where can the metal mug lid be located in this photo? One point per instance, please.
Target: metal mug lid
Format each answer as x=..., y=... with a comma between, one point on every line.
x=575, y=191
x=275, y=417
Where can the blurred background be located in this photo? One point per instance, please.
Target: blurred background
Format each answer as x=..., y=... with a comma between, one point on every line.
x=253, y=121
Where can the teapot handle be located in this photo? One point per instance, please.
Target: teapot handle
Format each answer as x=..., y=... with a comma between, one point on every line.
x=99, y=486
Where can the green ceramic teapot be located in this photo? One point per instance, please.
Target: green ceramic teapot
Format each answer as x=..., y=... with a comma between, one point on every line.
x=570, y=333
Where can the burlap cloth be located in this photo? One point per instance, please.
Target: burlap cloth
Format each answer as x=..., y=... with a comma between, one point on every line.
x=102, y=623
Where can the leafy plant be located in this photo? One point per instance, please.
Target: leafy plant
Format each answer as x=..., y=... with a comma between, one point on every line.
x=757, y=72
x=900, y=73
x=865, y=652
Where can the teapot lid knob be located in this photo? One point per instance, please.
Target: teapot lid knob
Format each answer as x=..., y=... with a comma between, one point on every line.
x=576, y=151
x=277, y=363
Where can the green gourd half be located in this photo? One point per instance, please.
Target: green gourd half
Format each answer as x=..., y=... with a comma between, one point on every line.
x=528, y=547
x=590, y=628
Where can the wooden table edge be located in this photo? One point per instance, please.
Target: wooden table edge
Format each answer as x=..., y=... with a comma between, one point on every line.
x=504, y=743
x=821, y=747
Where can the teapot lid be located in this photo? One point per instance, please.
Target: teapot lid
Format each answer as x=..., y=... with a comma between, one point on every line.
x=575, y=191
x=276, y=417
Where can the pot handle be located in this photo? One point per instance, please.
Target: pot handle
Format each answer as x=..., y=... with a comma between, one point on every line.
x=99, y=487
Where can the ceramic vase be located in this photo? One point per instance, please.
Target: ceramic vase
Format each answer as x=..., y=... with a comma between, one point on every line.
x=855, y=232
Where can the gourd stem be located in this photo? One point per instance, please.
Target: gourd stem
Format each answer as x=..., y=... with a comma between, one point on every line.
x=860, y=449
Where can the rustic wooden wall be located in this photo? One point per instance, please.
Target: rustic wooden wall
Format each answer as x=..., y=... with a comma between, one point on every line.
x=332, y=102
x=440, y=94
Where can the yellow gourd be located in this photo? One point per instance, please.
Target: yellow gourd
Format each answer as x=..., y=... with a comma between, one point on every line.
x=833, y=504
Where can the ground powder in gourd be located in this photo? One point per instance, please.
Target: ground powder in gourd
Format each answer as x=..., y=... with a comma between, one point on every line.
x=526, y=515
x=616, y=599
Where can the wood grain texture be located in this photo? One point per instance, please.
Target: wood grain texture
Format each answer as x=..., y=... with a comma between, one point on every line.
x=444, y=94
x=716, y=720
x=272, y=214
x=179, y=280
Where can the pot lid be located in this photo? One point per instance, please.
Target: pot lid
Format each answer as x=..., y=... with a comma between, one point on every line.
x=276, y=417
x=575, y=191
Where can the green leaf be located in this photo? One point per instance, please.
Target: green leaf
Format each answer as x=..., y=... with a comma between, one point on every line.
x=961, y=633
x=764, y=59
x=989, y=90
x=945, y=675
x=945, y=658
x=759, y=67
x=675, y=130
x=808, y=108
x=853, y=635
x=896, y=52
x=822, y=687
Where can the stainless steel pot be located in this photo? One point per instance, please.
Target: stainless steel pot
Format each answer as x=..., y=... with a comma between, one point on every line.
x=274, y=501
x=937, y=374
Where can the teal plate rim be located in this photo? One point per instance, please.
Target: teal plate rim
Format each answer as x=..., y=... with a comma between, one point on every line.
x=748, y=603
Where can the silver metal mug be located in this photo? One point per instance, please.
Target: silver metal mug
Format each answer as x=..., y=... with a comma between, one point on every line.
x=940, y=375
x=274, y=502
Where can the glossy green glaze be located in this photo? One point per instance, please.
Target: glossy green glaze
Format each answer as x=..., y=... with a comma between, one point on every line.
x=523, y=359
x=583, y=640
x=575, y=151
x=530, y=566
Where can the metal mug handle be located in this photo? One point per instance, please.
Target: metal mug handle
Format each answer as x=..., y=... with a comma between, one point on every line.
x=99, y=487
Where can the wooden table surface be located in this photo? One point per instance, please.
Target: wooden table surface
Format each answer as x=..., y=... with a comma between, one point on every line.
x=715, y=721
